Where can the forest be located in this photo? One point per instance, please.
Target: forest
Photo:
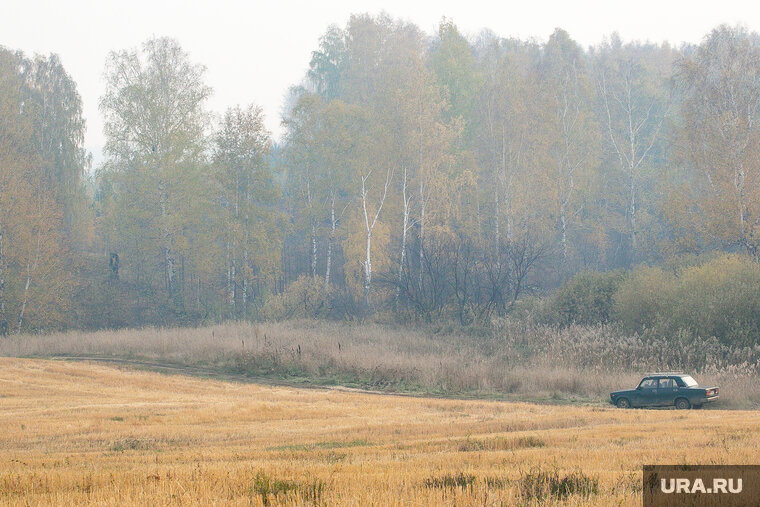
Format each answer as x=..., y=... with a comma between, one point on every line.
x=421, y=178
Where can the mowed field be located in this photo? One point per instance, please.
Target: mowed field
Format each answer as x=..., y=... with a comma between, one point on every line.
x=85, y=433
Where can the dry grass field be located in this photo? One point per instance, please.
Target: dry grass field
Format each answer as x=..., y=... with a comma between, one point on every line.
x=84, y=433
x=521, y=364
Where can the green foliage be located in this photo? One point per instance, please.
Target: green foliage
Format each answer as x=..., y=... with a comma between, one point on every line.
x=269, y=488
x=327, y=62
x=719, y=298
x=643, y=299
x=460, y=480
x=103, y=302
x=716, y=298
x=587, y=298
x=501, y=444
x=453, y=64
x=544, y=485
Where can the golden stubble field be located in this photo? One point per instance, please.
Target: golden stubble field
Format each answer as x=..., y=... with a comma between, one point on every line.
x=83, y=433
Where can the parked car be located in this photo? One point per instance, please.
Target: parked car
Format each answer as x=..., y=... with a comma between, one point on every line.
x=665, y=390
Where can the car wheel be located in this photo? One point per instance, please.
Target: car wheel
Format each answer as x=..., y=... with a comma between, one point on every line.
x=682, y=404
x=623, y=403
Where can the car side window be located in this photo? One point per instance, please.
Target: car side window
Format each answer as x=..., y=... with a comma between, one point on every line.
x=649, y=383
x=667, y=383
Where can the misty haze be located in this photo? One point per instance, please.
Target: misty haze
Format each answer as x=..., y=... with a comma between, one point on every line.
x=436, y=270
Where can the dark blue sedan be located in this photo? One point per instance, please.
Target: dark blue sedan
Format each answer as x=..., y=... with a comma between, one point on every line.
x=665, y=390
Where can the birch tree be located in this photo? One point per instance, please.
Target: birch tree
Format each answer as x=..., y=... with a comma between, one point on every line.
x=328, y=62
x=34, y=274
x=508, y=137
x=410, y=110
x=452, y=60
x=371, y=207
x=53, y=104
x=247, y=195
x=303, y=154
x=570, y=127
x=720, y=137
x=340, y=141
x=155, y=126
x=633, y=87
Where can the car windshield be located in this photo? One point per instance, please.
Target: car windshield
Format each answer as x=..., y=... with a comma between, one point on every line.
x=690, y=382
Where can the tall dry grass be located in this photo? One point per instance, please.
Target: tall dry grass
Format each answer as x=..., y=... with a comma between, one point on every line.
x=513, y=360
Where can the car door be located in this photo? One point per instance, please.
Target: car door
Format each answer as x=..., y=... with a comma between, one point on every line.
x=667, y=391
x=647, y=392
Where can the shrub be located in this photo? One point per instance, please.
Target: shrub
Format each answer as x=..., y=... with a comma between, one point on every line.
x=501, y=444
x=264, y=486
x=719, y=298
x=644, y=299
x=270, y=488
x=541, y=485
x=459, y=480
x=304, y=298
x=586, y=299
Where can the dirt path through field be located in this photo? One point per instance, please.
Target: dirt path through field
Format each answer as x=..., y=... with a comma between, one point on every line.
x=195, y=371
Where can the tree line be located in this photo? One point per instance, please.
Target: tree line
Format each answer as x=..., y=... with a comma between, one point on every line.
x=423, y=177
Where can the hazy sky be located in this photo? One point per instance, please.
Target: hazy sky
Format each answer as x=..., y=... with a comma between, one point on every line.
x=255, y=50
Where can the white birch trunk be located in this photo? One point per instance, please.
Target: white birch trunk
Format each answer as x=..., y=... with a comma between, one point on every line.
x=633, y=221
x=367, y=265
x=245, y=274
x=31, y=267
x=563, y=218
x=167, y=241
x=368, y=268
x=25, y=298
x=328, y=260
x=229, y=275
x=404, y=228
x=422, y=233
x=563, y=222
x=369, y=226
x=313, y=238
x=231, y=279
x=246, y=240
x=631, y=158
x=313, y=249
x=497, y=212
x=2, y=277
